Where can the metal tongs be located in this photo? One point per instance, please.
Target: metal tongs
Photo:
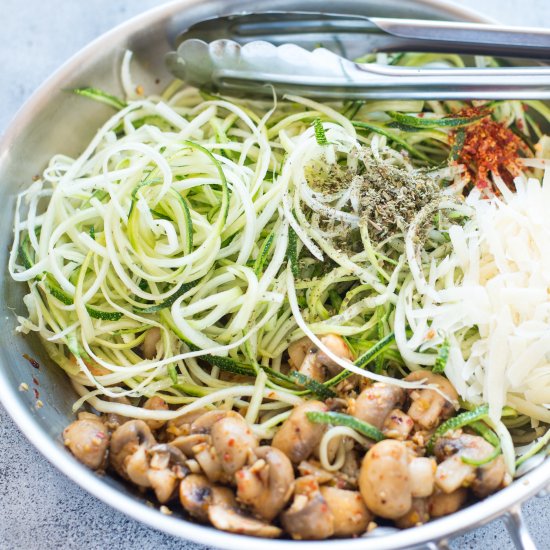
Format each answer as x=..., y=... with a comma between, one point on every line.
x=310, y=54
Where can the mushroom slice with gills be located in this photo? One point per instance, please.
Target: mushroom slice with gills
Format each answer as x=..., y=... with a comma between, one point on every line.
x=150, y=343
x=351, y=516
x=166, y=468
x=442, y=504
x=429, y=408
x=203, y=424
x=298, y=350
x=417, y=515
x=374, y=404
x=209, y=461
x=397, y=425
x=338, y=346
x=489, y=478
x=114, y=420
x=88, y=440
x=267, y=485
x=195, y=494
x=422, y=472
x=234, y=443
x=453, y=472
x=182, y=424
x=185, y=443
x=224, y=514
x=309, y=516
x=298, y=437
x=155, y=403
x=313, y=362
x=384, y=480
x=125, y=442
x=315, y=469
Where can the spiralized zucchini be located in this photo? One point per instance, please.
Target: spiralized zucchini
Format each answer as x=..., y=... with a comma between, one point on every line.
x=236, y=227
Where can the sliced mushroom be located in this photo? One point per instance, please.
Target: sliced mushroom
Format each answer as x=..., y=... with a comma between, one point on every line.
x=351, y=516
x=196, y=495
x=309, y=517
x=489, y=478
x=234, y=442
x=422, y=473
x=384, y=481
x=125, y=441
x=114, y=420
x=298, y=437
x=150, y=343
x=155, y=403
x=298, y=350
x=338, y=346
x=166, y=467
x=315, y=469
x=453, y=472
x=203, y=424
x=224, y=514
x=267, y=485
x=210, y=463
x=313, y=362
x=185, y=443
x=429, y=408
x=397, y=425
x=137, y=467
x=181, y=425
x=442, y=504
x=88, y=439
x=376, y=402
x=417, y=515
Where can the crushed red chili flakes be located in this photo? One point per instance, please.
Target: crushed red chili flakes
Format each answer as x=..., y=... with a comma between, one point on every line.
x=487, y=146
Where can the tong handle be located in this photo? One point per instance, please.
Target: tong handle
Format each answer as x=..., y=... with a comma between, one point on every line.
x=384, y=34
x=371, y=81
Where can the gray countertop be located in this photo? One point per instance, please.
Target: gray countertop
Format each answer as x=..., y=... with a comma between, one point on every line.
x=39, y=507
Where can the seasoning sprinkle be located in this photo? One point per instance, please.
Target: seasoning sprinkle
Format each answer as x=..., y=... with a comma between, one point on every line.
x=390, y=196
x=485, y=147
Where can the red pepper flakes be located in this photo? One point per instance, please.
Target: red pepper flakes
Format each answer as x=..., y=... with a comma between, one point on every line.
x=34, y=363
x=488, y=146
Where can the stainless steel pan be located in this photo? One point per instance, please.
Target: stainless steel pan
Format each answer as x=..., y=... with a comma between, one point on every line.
x=54, y=121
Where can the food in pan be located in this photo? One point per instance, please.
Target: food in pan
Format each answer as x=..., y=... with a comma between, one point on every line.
x=298, y=318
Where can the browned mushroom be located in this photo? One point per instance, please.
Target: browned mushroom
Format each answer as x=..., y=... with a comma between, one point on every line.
x=384, y=480
x=309, y=516
x=185, y=443
x=429, y=408
x=88, y=439
x=155, y=403
x=149, y=345
x=203, y=423
x=417, y=515
x=234, y=442
x=125, y=442
x=224, y=513
x=351, y=516
x=267, y=485
x=422, y=473
x=114, y=420
x=181, y=425
x=196, y=495
x=442, y=504
x=313, y=362
x=166, y=468
x=376, y=402
x=397, y=425
x=453, y=472
x=298, y=437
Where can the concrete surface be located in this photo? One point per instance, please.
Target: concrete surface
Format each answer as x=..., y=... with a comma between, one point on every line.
x=40, y=509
